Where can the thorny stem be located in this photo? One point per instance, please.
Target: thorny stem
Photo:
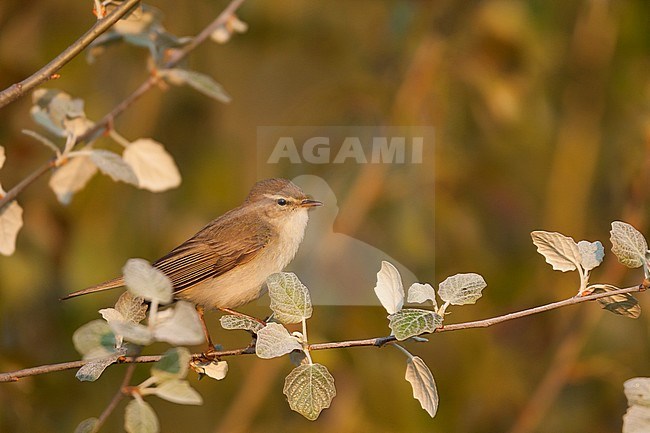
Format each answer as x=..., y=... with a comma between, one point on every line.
x=377, y=342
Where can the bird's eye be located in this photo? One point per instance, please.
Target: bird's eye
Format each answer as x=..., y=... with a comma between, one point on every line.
x=282, y=202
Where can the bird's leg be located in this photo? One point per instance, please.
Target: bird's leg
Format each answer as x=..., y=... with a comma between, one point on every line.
x=201, y=310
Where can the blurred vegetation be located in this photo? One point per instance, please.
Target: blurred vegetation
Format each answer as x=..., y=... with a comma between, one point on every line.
x=542, y=117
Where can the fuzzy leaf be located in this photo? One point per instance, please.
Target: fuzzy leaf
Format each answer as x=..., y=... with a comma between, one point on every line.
x=290, y=300
x=94, y=339
x=177, y=391
x=114, y=166
x=591, y=254
x=636, y=419
x=230, y=321
x=133, y=332
x=173, y=364
x=11, y=221
x=274, y=340
x=637, y=391
x=198, y=81
x=420, y=293
x=560, y=251
x=132, y=308
x=389, y=288
x=147, y=282
x=91, y=371
x=153, y=166
x=424, y=387
x=2, y=156
x=309, y=389
x=628, y=244
x=462, y=289
x=622, y=304
x=409, y=322
x=72, y=177
x=214, y=369
x=88, y=425
x=139, y=417
x=183, y=327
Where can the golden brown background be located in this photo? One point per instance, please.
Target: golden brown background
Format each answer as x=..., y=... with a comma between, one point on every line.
x=542, y=120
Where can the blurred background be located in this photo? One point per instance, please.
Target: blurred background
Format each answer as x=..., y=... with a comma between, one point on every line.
x=542, y=121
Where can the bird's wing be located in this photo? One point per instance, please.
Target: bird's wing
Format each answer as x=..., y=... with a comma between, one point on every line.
x=207, y=255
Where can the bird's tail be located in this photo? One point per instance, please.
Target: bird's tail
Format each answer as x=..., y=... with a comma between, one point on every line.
x=107, y=285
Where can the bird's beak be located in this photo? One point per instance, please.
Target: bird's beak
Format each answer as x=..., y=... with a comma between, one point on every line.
x=310, y=203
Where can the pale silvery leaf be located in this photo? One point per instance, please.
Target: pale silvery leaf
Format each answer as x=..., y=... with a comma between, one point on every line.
x=461, y=289
x=177, y=391
x=173, y=364
x=147, y=282
x=636, y=419
x=11, y=221
x=153, y=166
x=309, y=389
x=72, y=177
x=230, y=321
x=133, y=332
x=420, y=293
x=198, y=81
x=94, y=339
x=274, y=340
x=591, y=254
x=88, y=425
x=637, y=391
x=91, y=371
x=628, y=244
x=389, y=288
x=77, y=126
x=290, y=300
x=114, y=166
x=214, y=369
x=221, y=35
x=623, y=304
x=409, y=322
x=560, y=251
x=183, y=327
x=2, y=156
x=139, y=417
x=111, y=315
x=132, y=308
x=424, y=387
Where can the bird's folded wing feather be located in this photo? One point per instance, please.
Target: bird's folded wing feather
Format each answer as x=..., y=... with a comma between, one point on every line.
x=206, y=257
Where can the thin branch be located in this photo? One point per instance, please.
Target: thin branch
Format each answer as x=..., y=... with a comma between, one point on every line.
x=377, y=342
x=17, y=90
x=107, y=121
x=119, y=395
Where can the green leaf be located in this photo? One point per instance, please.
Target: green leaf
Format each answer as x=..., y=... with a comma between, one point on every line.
x=290, y=300
x=113, y=165
x=622, y=304
x=389, y=288
x=177, y=391
x=139, y=417
x=461, y=289
x=560, y=251
x=628, y=244
x=182, y=327
x=94, y=339
x=424, y=387
x=274, y=340
x=309, y=389
x=147, y=282
x=410, y=322
x=173, y=364
x=230, y=321
x=198, y=81
x=87, y=426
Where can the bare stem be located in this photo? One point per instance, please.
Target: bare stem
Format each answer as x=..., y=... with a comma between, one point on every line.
x=17, y=90
x=377, y=342
x=119, y=395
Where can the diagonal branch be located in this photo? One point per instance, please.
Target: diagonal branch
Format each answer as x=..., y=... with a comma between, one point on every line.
x=17, y=90
x=13, y=376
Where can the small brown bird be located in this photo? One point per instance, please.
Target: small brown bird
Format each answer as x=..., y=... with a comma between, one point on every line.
x=225, y=265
